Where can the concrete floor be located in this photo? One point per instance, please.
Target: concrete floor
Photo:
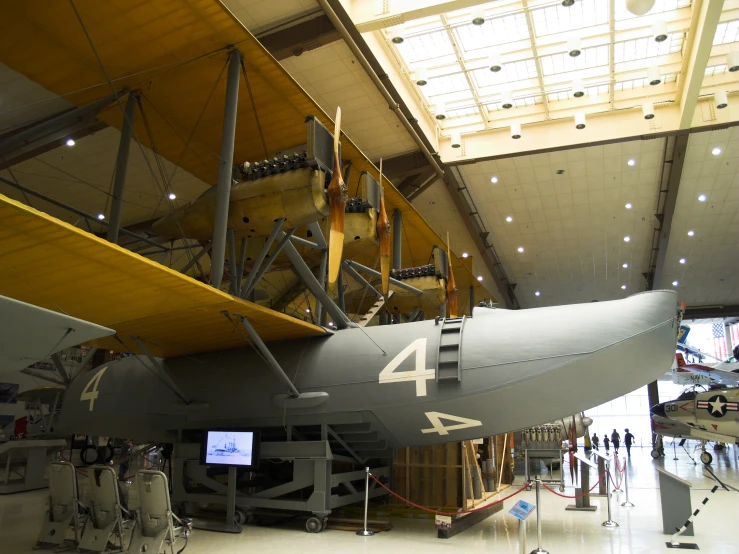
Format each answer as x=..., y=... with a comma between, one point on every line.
x=564, y=532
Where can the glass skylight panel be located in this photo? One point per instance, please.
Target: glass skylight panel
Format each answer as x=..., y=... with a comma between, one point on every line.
x=563, y=63
x=716, y=69
x=660, y=6
x=500, y=30
x=435, y=48
x=726, y=32
x=462, y=111
x=424, y=25
x=511, y=72
x=643, y=82
x=641, y=48
x=446, y=84
x=558, y=19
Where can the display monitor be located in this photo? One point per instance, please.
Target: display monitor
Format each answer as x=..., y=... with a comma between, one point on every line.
x=230, y=447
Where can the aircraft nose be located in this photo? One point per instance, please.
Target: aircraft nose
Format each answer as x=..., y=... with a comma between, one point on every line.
x=658, y=410
x=587, y=422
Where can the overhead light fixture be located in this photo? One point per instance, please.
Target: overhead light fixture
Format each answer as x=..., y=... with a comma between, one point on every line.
x=579, y=120
x=659, y=30
x=537, y=293
x=628, y=205
x=682, y=261
x=578, y=88
x=573, y=46
x=631, y=162
x=653, y=75
x=422, y=76
x=623, y=287
x=639, y=7
x=494, y=179
x=566, y=4
x=70, y=142
x=625, y=265
x=172, y=196
x=506, y=99
x=520, y=248
x=456, y=139
x=465, y=255
x=702, y=198
x=647, y=109
x=627, y=238
x=721, y=99
x=440, y=111
x=307, y=310
x=397, y=34
x=675, y=283
x=478, y=15
x=509, y=219
x=330, y=323
x=691, y=233
x=101, y=216
x=479, y=277
x=716, y=151
x=515, y=130
x=732, y=61
x=495, y=63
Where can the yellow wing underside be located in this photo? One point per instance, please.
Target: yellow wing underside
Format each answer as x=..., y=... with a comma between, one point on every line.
x=175, y=53
x=49, y=263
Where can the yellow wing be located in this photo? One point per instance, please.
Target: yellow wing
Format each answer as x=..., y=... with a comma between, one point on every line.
x=49, y=263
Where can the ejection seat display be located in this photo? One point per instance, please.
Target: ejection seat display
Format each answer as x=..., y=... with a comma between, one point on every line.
x=230, y=448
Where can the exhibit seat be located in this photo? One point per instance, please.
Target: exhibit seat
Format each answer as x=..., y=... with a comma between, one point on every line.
x=103, y=531
x=64, y=507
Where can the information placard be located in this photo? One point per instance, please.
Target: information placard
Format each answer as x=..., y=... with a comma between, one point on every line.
x=522, y=510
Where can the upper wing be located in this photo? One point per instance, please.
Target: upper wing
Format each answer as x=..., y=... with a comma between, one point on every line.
x=718, y=375
x=54, y=265
x=175, y=53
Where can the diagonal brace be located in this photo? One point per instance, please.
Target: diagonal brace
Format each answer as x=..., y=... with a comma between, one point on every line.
x=162, y=373
x=359, y=279
x=262, y=254
x=280, y=245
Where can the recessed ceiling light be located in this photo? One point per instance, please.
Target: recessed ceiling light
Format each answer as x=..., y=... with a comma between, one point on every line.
x=493, y=179
x=70, y=142
x=330, y=323
x=682, y=260
x=628, y=205
x=101, y=216
x=627, y=238
x=172, y=196
x=509, y=219
x=479, y=277
x=716, y=151
x=623, y=287
x=625, y=265
x=520, y=248
x=307, y=310
x=675, y=283
x=701, y=198
x=465, y=254
x=537, y=293
x=631, y=162
x=691, y=233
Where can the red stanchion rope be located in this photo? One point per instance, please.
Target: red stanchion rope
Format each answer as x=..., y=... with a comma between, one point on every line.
x=577, y=495
x=472, y=511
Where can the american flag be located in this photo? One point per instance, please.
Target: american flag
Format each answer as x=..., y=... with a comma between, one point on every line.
x=719, y=341
x=734, y=329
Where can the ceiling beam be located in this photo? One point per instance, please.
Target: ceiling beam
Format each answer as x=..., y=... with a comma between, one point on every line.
x=706, y=19
x=666, y=209
x=300, y=37
x=368, y=18
x=711, y=312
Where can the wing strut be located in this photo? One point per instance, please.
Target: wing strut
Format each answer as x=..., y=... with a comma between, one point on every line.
x=162, y=373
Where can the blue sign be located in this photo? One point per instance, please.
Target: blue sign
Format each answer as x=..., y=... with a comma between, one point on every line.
x=522, y=510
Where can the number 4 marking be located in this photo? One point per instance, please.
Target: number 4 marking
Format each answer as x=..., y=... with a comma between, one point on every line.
x=438, y=427
x=419, y=375
x=92, y=395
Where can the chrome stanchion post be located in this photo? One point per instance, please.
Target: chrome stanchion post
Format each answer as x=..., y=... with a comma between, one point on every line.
x=616, y=484
x=521, y=536
x=626, y=504
x=609, y=522
x=538, y=549
x=366, y=532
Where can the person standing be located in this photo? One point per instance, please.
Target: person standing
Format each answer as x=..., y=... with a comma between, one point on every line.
x=125, y=464
x=628, y=441
x=616, y=441
x=595, y=440
x=606, y=443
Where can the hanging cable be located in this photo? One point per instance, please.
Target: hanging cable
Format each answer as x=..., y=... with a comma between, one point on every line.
x=254, y=107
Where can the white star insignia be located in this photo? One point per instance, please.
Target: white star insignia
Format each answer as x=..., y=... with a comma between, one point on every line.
x=717, y=406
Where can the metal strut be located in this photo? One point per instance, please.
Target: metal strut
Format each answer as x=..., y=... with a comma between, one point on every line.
x=163, y=375
x=377, y=274
x=268, y=357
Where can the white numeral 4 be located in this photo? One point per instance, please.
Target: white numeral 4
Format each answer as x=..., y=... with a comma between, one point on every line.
x=419, y=375
x=438, y=427
x=92, y=395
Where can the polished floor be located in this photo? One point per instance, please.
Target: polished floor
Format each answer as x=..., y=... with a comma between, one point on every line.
x=640, y=529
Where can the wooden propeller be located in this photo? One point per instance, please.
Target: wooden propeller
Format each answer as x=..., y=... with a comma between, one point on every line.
x=336, y=207
x=451, y=286
x=573, y=448
x=383, y=235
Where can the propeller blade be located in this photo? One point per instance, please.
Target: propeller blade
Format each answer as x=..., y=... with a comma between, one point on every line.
x=336, y=207
x=573, y=448
x=451, y=286
x=383, y=235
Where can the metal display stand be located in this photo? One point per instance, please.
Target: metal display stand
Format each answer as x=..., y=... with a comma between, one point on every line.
x=365, y=532
x=230, y=525
x=609, y=522
x=675, y=498
x=538, y=549
x=582, y=493
x=546, y=454
x=602, y=460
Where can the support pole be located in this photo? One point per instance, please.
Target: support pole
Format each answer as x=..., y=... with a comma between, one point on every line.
x=397, y=239
x=320, y=312
x=609, y=522
x=342, y=303
x=472, y=299
x=251, y=278
x=366, y=532
x=538, y=549
x=232, y=260
x=206, y=248
x=359, y=279
x=240, y=268
x=121, y=168
x=521, y=536
x=225, y=168
x=280, y=246
x=378, y=275
x=628, y=503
